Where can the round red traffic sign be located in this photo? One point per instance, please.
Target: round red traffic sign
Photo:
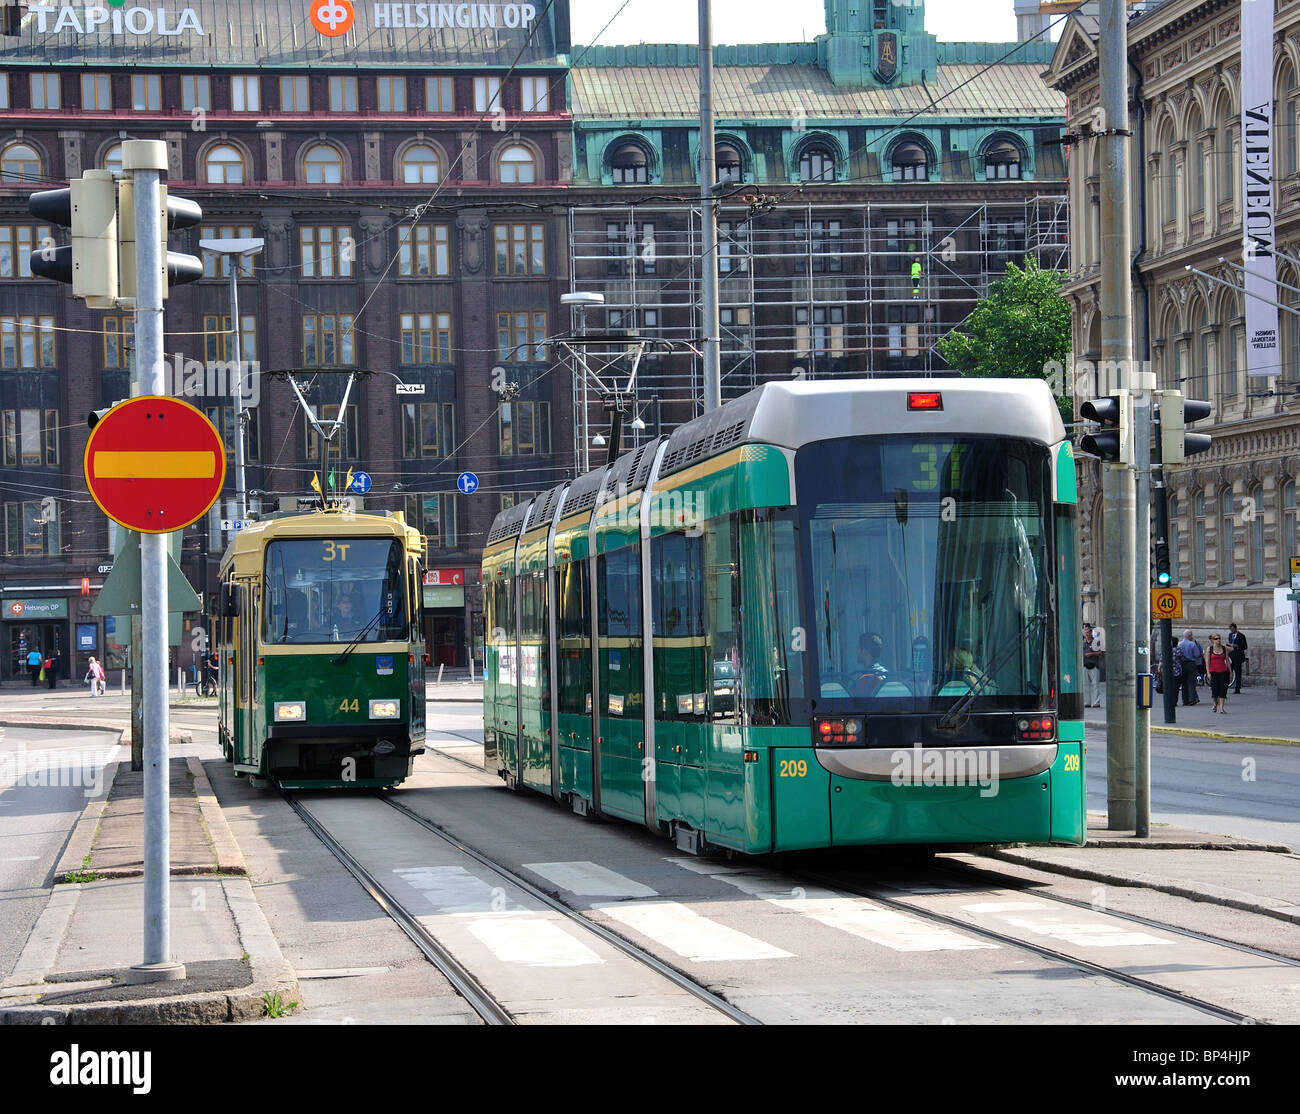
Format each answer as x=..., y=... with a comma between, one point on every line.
x=155, y=464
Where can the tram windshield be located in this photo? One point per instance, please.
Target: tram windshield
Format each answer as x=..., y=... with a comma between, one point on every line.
x=928, y=572
x=335, y=590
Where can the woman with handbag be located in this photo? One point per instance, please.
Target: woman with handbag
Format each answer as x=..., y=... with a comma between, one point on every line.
x=1218, y=668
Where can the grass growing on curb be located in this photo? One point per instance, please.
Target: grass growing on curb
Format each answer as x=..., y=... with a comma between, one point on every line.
x=274, y=1007
x=85, y=875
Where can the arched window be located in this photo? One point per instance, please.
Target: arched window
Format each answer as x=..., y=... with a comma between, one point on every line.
x=518, y=165
x=322, y=165
x=1256, y=536
x=1203, y=375
x=1232, y=340
x=1289, y=536
x=1227, y=538
x=1002, y=160
x=1199, y=527
x=113, y=158
x=909, y=162
x=1196, y=168
x=629, y=166
x=816, y=163
x=420, y=165
x=224, y=165
x=20, y=163
x=728, y=162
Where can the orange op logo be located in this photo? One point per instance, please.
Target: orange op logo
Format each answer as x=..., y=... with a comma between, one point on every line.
x=332, y=17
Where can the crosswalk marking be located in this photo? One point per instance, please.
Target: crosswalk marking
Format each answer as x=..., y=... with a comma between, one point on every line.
x=531, y=942
x=688, y=934
x=1042, y=921
x=587, y=879
x=453, y=889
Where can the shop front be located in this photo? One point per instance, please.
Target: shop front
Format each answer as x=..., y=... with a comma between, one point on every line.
x=34, y=624
x=445, y=630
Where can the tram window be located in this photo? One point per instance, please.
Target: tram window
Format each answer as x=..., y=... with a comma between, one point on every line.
x=722, y=606
x=335, y=590
x=619, y=596
x=574, y=629
x=773, y=650
x=682, y=671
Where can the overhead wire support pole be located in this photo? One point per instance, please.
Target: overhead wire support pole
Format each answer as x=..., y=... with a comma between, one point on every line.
x=709, y=219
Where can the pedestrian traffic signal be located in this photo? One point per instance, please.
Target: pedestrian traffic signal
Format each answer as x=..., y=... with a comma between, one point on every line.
x=1114, y=441
x=89, y=207
x=1173, y=414
x=1164, y=572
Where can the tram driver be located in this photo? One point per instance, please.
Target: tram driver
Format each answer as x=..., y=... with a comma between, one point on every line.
x=872, y=674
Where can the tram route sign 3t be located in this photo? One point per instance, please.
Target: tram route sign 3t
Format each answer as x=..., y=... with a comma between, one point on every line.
x=1166, y=603
x=467, y=483
x=154, y=464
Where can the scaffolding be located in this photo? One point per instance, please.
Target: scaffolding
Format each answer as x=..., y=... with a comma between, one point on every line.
x=806, y=291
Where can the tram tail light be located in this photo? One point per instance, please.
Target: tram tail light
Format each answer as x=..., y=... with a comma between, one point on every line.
x=838, y=731
x=1035, y=729
x=924, y=400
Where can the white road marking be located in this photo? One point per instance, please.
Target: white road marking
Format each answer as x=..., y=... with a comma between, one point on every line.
x=532, y=942
x=1004, y=906
x=20, y=859
x=688, y=934
x=587, y=879
x=1043, y=920
x=453, y=889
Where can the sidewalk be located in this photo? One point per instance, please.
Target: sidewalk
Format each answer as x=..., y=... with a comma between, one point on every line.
x=75, y=968
x=1256, y=715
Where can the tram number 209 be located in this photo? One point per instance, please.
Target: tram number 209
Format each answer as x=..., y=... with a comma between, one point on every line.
x=1071, y=763
x=792, y=768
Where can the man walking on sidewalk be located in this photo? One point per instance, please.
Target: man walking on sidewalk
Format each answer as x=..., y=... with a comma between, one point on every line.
x=1236, y=654
x=1191, y=655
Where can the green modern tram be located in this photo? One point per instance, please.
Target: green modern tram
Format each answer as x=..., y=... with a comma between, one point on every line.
x=825, y=614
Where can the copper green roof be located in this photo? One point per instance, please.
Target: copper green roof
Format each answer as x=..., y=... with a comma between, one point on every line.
x=786, y=92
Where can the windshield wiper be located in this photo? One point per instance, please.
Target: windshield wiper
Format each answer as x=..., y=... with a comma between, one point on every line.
x=949, y=719
x=383, y=610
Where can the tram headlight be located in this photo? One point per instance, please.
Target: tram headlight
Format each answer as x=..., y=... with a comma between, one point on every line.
x=290, y=710
x=385, y=709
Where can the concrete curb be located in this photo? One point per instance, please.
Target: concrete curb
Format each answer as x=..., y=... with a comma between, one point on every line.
x=82, y=839
x=176, y=736
x=1211, y=894
x=1220, y=736
x=230, y=859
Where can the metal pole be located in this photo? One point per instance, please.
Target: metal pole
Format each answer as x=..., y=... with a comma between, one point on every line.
x=1119, y=494
x=709, y=218
x=145, y=158
x=1161, y=526
x=234, y=262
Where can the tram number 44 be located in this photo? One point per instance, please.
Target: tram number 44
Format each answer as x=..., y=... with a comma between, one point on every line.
x=346, y=705
x=792, y=768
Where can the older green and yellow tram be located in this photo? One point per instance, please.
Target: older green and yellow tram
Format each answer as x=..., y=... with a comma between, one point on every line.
x=824, y=614
x=319, y=632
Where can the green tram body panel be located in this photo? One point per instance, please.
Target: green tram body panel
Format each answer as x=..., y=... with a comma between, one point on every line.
x=739, y=785
x=337, y=742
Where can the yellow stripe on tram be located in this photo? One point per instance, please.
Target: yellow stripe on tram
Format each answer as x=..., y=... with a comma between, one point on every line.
x=181, y=465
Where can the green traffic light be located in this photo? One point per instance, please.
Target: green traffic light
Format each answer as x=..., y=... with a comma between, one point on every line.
x=1163, y=579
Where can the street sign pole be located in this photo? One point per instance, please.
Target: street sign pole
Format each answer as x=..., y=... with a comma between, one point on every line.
x=145, y=159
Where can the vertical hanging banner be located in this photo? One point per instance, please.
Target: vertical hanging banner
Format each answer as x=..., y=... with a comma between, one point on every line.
x=1263, y=353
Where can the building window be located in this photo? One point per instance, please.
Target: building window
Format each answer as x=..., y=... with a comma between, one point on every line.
x=216, y=265
x=196, y=92
x=113, y=159
x=1198, y=176
x=17, y=242
x=392, y=94
x=224, y=165
x=4, y=91
x=816, y=163
x=735, y=324
x=1236, y=340
x=518, y=165
x=426, y=338
x=20, y=163
x=629, y=165
x=428, y=429
x=216, y=338
x=28, y=533
x=26, y=341
x=327, y=340
x=146, y=92
x=1199, y=527
x=438, y=96
x=733, y=247
x=1227, y=538
x=30, y=438
x=1290, y=538
x=728, y=163
x=322, y=165
x=535, y=94
x=342, y=446
x=1228, y=150
x=910, y=164
x=824, y=245
x=424, y=251
x=520, y=249
x=245, y=93
x=1256, y=535
x=223, y=417
x=119, y=340
x=524, y=428
x=826, y=335
x=521, y=337
x=435, y=515
x=96, y=92
x=45, y=92
x=1002, y=160
x=343, y=94
x=327, y=251
x=487, y=94
x=294, y=95
x=421, y=165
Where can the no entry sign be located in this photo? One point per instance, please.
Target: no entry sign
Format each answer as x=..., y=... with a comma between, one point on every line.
x=154, y=464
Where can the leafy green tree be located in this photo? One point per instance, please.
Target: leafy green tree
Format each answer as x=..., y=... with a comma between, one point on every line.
x=1020, y=331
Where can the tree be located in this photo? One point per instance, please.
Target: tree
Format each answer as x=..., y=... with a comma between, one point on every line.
x=1020, y=331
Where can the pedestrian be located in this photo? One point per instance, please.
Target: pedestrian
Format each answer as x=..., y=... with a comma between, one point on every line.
x=95, y=675
x=34, y=660
x=1193, y=658
x=51, y=665
x=1091, y=668
x=1237, y=646
x=1217, y=665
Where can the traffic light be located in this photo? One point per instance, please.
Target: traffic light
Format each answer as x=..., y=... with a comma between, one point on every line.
x=1114, y=441
x=89, y=207
x=1172, y=416
x=1164, y=571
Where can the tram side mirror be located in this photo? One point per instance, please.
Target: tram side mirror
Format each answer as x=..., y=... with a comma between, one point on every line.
x=230, y=594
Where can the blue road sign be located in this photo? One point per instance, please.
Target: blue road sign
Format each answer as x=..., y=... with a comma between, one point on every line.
x=360, y=482
x=467, y=483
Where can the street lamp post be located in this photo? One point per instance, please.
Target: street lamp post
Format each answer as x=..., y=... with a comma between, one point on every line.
x=236, y=250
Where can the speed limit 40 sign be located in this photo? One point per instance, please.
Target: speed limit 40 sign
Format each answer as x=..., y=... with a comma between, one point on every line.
x=1166, y=603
